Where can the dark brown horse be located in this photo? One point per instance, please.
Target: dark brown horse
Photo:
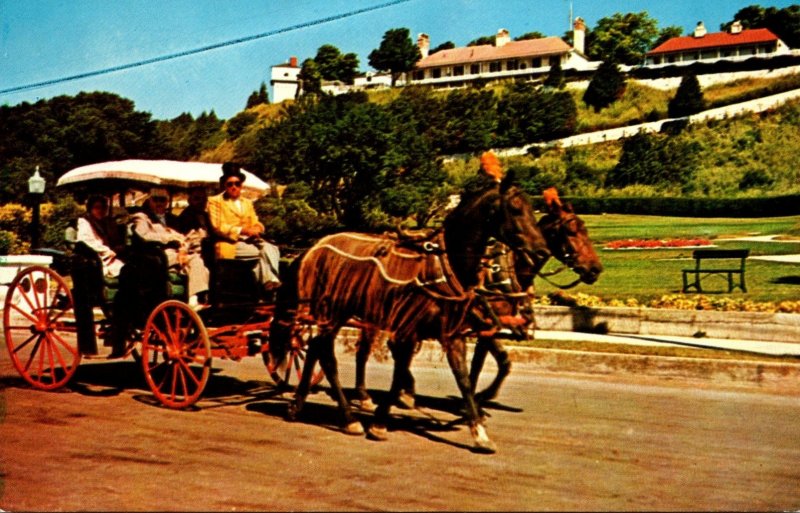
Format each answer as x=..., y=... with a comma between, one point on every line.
x=503, y=306
x=414, y=290
x=568, y=241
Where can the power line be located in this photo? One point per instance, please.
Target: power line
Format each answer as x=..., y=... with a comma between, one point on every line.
x=202, y=49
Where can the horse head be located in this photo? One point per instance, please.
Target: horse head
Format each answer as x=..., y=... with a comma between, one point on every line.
x=568, y=239
x=497, y=210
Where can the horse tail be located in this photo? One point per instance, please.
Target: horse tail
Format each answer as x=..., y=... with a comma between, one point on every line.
x=286, y=305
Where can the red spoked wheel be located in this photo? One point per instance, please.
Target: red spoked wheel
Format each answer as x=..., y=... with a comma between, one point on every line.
x=38, y=322
x=288, y=372
x=176, y=354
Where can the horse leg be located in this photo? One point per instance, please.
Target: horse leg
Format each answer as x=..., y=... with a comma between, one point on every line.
x=304, y=386
x=478, y=359
x=402, y=355
x=457, y=358
x=327, y=360
x=363, y=351
x=405, y=398
x=495, y=347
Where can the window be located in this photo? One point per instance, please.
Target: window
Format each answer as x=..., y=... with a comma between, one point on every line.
x=418, y=75
x=437, y=73
x=458, y=71
x=494, y=67
x=536, y=62
x=475, y=69
x=512, y=65
x=554, y=60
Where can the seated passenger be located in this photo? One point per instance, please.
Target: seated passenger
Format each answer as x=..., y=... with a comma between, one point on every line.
x=98, y=231
x=235, y=224
x=151, y=225
x=193, y=222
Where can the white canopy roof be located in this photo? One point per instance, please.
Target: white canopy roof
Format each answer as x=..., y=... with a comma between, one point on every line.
x=171, y=174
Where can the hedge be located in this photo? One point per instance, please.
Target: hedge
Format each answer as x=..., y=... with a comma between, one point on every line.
x=775, y=206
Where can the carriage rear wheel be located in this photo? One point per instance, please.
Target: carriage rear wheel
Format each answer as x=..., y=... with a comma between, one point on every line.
x=38, y=322
x=288, y=372
x=176, y=354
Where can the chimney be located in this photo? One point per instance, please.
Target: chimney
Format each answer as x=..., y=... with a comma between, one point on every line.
x=700, y=29
x=293, y=61
x=736, y=27
x=424, y=44
x=502, y=38
x=579, y=35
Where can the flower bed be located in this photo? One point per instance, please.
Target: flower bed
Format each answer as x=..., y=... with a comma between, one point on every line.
x=672, y=301
x=656, y=243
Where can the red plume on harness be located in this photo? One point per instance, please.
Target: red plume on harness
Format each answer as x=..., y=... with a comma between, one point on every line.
x=551, y=197
x=490, y=165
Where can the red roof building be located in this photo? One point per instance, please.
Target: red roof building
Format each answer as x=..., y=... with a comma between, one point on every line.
x=737, y=44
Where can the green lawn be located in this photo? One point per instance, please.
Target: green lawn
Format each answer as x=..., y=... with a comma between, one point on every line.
x=651, y=274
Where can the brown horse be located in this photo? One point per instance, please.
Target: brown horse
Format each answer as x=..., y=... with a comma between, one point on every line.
x=502, y=308
x=568, y=241
x=414, y=290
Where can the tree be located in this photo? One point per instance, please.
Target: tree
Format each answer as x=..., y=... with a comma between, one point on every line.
x=396, y=54
x=333, y=65
x=655, y=159
x=622, y=38
x=784, y=23
x=529, y=35
x=309, y=79
x=688, y=99
x=447, y=45
x=555, y=79
x=666, y=34
x=258, y=97
x=483, y=40
x=606, y=87
x=64, y=132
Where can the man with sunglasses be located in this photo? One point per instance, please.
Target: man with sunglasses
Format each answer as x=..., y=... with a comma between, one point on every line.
x=238, y=230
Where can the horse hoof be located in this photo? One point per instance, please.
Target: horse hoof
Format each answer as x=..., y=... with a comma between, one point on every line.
x=378, y=433
x=484, y=448
x=483, y=445
x=406, y=401
x=367, y=405
x=354, y=428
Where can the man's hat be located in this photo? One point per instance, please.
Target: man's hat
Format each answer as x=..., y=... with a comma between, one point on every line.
x=159, y=192
x=232, y=169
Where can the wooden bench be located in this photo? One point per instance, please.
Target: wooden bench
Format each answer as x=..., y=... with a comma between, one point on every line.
x=700, y=270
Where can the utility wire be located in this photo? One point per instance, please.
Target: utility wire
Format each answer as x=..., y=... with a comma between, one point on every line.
x=202, y=49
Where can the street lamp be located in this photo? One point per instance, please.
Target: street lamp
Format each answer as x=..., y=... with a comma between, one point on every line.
x=36, y=190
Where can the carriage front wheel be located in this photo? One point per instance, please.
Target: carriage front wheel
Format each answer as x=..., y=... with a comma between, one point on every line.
x=39, y=326
x=287, y=373
x=176, y=354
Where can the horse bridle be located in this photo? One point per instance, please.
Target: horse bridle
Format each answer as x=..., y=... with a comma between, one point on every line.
x=551, y=231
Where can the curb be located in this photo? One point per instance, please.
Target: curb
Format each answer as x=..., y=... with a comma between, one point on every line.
x=784, y=376
x=768, y=327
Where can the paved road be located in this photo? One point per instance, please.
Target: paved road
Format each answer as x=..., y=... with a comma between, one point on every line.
x=566, y=442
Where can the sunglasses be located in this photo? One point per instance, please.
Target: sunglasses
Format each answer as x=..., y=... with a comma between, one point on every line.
x=233, y=183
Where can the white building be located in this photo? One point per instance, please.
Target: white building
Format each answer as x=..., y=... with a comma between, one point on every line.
x=284, y=80
x=504, y=59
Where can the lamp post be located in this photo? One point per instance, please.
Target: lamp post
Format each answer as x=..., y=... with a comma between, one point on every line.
x=36, y=190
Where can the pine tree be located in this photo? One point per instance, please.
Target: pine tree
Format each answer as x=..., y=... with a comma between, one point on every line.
x=606, y=87
x=555, y=78
x=688, y=99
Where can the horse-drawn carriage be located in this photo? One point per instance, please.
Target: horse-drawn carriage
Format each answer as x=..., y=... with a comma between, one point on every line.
x=423, y=286
x=53, y=321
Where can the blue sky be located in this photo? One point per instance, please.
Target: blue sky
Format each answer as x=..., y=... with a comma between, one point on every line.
x=47, y=40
